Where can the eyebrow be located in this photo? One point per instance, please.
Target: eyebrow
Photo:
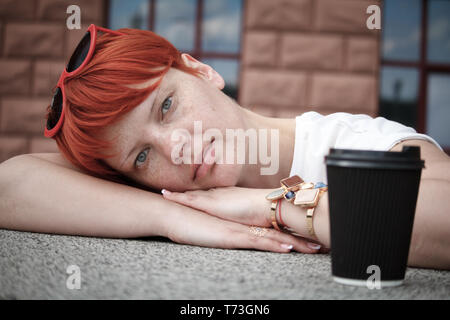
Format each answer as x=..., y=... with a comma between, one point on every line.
x=136, y=146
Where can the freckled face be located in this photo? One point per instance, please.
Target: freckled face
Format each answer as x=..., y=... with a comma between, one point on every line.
x=179, y=100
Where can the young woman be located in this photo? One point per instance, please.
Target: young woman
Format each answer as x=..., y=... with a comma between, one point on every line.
x=115, y=109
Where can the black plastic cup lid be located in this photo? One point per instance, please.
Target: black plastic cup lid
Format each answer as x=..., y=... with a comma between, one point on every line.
x=408, y=158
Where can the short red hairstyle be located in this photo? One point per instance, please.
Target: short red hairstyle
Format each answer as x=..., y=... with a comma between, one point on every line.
x=102, y=93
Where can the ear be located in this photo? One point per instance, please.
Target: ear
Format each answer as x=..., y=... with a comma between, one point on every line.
x=207, y=71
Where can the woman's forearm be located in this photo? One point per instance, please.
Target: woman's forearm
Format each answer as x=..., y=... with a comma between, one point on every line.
x=295, y=217
x=39, y=196
x=430, y=240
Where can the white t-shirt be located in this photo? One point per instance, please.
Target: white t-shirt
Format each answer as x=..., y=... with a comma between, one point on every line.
x=315, y=134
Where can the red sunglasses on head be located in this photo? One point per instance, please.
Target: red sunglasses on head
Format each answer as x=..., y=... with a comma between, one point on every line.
x=80, y=57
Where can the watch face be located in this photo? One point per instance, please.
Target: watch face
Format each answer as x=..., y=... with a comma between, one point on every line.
x=291, y=181
x=307, y=197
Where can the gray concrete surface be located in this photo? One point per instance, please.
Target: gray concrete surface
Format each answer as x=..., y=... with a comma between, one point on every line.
x=33, y=266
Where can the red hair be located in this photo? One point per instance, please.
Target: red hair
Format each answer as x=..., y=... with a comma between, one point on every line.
x=101, y=94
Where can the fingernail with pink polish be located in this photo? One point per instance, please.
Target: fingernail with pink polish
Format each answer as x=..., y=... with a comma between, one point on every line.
x=165, y=192
x=313, y=246
x=287, y=246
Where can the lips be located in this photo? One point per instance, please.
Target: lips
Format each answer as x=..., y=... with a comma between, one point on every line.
x=201, y=169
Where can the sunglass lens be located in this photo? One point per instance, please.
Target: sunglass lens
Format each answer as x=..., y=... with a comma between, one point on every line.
x=80, y=53
x=55, y=114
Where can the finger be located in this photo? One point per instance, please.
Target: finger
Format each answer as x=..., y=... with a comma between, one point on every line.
x=280, y=239
x=268, y=244
x=247, y=240
x=195, y=199
x=324, y=250
x=300, y=244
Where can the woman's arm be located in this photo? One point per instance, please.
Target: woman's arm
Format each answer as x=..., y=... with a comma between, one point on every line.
x=42, y=195
x=430, y=239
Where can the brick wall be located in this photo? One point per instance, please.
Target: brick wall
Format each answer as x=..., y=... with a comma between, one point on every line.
x=309, y=55
x=34, y=45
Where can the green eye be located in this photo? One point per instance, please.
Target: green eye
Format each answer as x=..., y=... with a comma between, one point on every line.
x=141, y=158
x=166, y=105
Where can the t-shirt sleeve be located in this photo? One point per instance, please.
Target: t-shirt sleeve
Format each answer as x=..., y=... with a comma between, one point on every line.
x=317, y=133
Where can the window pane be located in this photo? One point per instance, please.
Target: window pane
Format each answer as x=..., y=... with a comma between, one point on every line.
x=128, y=14
x=401, y=29
x=229, y=70
x=398, y=95
x=438, y=108
x=221, y=25
x=439, y=31
x=175, y=21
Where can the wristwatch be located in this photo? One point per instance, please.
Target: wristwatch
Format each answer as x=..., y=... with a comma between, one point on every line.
x=304, y=194
x=309, y=198
x=309, y=195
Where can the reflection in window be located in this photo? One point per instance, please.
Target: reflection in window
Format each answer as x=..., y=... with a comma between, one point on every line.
x=229, y=70
x=398, y=95
x=401, y=30
x=414, y=76
x=209, y=30
x=221, y=25
x=439, y=31
x=438, y=110
x=128, y=14
x=175, y=21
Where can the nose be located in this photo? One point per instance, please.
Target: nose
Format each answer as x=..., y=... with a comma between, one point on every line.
x=172, y=145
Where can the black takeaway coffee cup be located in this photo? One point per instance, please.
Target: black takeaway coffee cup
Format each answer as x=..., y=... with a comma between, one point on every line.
x=372, y=201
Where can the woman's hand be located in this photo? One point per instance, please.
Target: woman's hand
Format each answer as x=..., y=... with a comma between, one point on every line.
x=189, y=226
x=245, y=206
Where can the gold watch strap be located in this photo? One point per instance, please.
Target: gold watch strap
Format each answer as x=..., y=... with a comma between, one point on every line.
x=273, y=214
x=310, y=214
x=309, y=221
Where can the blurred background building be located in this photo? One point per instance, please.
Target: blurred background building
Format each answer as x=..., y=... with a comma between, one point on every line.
x=278, y=57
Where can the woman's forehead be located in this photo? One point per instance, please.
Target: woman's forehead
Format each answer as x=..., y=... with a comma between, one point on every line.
x=127, y=128
x=131, y=119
